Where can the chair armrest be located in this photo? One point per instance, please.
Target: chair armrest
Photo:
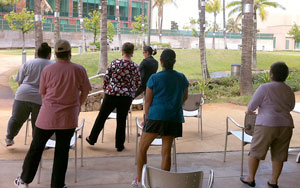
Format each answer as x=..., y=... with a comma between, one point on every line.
x=210, y=178
x=234, y=122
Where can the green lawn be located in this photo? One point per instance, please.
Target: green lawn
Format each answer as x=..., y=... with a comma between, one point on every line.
x=188, y=61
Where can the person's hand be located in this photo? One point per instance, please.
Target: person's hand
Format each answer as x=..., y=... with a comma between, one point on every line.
x=249, y=112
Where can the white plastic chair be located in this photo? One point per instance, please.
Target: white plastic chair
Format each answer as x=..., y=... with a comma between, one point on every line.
x=155, y=142
x=138, y=101
x=240, y=134
x=193, y=108
x=73, y=145
x=113, y=115
x=154, y=177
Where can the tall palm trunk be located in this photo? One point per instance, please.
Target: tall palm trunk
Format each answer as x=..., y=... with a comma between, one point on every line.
x=160, y=21
x=246, y=86
x=83, y=42
x=142, y=22
x=103, y=37
x=204, y=68
x=56, y=21
x=118, y=23
x=150, y=22
x=23, y=39
x=38, y=25
x=224, y=26
x=214, y=31
x=254, y=57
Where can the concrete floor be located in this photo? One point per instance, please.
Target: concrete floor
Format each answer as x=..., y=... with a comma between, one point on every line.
x=117, y=172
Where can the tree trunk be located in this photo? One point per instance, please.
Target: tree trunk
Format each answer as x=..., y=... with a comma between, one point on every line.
x=160, y=21
x=254, y=57
x=150, y=22
x=103, y=43
x=143, y=23
x=118, y=23
x=246, y=86
x=214, y=31
x=83, y=42
x=23, y=38
x=56, y=21
x=204, y=68
x=224, y=26
x=38, y=25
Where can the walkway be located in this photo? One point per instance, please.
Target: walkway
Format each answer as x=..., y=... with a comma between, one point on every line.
x=107, y=168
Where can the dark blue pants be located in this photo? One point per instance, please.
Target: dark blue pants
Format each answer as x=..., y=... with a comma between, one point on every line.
x=20, y=113
x=61, y=155
x=122, y=104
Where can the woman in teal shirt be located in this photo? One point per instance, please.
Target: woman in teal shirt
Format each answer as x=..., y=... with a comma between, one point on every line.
x=165, y=93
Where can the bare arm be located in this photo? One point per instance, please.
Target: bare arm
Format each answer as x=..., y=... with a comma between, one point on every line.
x=148, y=101
x=83, y=96
x=185, y=96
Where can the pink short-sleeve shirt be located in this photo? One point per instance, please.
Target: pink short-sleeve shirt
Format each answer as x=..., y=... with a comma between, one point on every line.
x=60, y=86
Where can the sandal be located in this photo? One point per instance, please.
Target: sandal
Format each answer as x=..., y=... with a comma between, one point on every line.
x=273, y=185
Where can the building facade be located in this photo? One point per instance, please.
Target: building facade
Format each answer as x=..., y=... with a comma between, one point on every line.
x=69, y=10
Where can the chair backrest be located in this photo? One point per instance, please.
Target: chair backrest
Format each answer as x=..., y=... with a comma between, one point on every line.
x=154, y=177
x=193, y=102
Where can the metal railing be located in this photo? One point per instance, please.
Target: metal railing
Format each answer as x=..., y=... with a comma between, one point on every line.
x=99, y=91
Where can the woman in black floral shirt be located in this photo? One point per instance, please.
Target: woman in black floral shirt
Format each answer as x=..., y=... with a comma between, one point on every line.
x=121, y=81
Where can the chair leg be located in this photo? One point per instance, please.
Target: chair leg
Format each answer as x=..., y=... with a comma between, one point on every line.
x=75, y=157
x=26, y=132
x=225, y=148
x=102, y=134
x=39, y=172
x=81, y=149
x=128, y=128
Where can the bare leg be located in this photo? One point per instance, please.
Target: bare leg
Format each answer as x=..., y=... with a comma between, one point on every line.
x=166, y=152
x=276, y=171
x=146, y=140
x=252, y=165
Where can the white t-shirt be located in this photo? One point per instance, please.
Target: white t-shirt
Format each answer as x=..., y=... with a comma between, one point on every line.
x=29, y=77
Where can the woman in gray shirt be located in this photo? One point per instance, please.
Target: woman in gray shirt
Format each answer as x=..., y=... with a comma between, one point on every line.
x=28, y=99
x=274, y=124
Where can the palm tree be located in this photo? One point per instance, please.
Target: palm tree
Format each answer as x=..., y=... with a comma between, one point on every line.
x=150, y=21
x=80, y=5
x=103, y=37
x=201, y=8
x=56, y=21
x=38, y=25
x=143, y=24
x=233, y=26
x=160, y=6
x=260, y=9
x=246, y=87
x=224, y=26
x=118, y=23
x=213, y=6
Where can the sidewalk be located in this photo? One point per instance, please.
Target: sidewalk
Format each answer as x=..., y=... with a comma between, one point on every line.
x=117, y=172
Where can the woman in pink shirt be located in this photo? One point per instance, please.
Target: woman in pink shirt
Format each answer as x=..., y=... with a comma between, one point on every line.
x=274, y=124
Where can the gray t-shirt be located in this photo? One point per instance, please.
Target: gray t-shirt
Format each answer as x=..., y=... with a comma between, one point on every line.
x=29, y=77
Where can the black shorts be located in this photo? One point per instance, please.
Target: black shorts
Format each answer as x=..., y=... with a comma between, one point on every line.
x=163, y=128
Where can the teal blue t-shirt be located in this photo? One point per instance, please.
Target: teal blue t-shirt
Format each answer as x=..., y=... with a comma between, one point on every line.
x=168, y=90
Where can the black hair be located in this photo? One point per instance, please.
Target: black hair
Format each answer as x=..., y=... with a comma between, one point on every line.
x=149, y=50
x=44, y=50
x=62, y=55
x=280, y=71
x=128, y=48
x=168, y=57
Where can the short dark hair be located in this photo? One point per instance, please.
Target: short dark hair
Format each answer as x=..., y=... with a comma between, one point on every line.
x=280, y=71
x=62, y=55
x=168, y=57
x=128, y=48
x=149, y=50
x=44, y=50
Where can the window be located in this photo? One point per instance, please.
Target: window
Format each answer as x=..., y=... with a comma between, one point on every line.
x=29, y=5
x=52, y=4
x=123, y=10
x=137, y=9
x=297, y=45
x=274, y=42
x=64, y=7
x=75, y=9
x=287, y=44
